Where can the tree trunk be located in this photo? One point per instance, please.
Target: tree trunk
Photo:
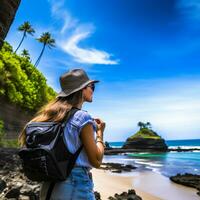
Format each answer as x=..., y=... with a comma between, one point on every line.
x=21, y=41
x=38, y=60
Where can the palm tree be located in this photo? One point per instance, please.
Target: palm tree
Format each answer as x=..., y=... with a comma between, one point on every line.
x=141, y=125
x=148, y=125
x=47, y=41
x=25, y=54
x=26, y=28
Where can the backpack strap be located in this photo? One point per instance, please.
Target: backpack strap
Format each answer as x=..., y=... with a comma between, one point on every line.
x=65, y=120
x=49, y=191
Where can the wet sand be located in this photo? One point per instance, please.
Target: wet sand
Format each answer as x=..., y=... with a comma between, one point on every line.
x=108, y=184
x=148, y=185
x=162, y=187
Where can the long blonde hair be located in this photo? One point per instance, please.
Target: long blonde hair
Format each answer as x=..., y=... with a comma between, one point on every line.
x=55, y=111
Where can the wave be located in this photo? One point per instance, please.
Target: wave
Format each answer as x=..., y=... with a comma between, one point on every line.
x=154, y=169
x=149, y=164
x=115, y=146
x=184, y=147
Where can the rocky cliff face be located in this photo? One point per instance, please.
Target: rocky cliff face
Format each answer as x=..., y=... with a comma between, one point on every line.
x=13, y=117
x=8, y=9
x=13, y=184
x=145, y=144
x=145, y=140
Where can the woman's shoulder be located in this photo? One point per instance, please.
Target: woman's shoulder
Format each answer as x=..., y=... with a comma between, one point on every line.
x=82, y=115
x=81, y=118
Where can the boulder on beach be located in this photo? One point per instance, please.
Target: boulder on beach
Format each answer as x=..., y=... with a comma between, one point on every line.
x=145, y=140
x=191, y=180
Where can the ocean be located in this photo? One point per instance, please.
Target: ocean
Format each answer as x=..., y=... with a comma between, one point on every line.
x=168, y=164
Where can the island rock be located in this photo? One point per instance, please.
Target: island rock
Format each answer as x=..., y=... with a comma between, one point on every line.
x=145, y=140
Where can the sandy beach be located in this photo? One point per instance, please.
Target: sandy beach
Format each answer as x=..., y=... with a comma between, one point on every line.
x=148, y=185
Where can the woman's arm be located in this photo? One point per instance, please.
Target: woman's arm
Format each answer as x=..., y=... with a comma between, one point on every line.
x=93, y=150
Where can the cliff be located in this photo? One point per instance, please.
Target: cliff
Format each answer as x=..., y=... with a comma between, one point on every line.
x=14, y=118
x=8, y=10
x=145, y=140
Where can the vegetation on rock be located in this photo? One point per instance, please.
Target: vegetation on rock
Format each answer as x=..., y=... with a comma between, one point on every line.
x=145, y=132
x=1, y=130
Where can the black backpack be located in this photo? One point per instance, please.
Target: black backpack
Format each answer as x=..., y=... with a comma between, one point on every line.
x=46, y=156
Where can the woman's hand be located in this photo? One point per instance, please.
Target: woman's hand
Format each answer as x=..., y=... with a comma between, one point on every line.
x=100, y=125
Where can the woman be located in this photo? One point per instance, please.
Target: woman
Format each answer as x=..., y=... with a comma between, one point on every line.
x=80, y=129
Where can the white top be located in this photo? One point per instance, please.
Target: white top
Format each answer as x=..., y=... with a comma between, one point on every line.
x=72, y=133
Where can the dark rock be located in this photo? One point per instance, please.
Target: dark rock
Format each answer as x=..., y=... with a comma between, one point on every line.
x=2, y=185
x=107, y=146
x=8, y=9
x=130, y=195
x=97, y=195
x=17, y=185
x=145, y=144
x=117, y=167
x=13, y=193
x=117, y=171
x=191, y=180
x=145, y=140
x=131, y=192
x=14, y=117
x=28, y=190
x=183, y=150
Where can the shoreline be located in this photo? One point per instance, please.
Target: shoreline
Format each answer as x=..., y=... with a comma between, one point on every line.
x=148, y=185
x=119, y=150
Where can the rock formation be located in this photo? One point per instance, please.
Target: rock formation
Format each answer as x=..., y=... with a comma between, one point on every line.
x=14, y=118
x=13, y=184
x=8, y=9
x=145, y=140
x=191, y=180
x=107, y=145
x=130, y=195
x=117, y=167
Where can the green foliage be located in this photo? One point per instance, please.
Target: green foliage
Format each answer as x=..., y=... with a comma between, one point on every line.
x=25, y=28
x=145, y=133
x=1, y=130
x=144, y=125
x=46, y=40
x=25, y=54
x=6, y=142
x=11, y=143
x=20, y=82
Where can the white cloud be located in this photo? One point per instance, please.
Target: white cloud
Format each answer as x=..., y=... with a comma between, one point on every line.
x=72, y=33
x=85, y=55
x=58, y=11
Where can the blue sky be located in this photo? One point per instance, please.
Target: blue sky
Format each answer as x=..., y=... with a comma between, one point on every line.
x=144, y=52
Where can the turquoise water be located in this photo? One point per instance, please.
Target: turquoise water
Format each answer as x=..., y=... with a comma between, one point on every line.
x=168, y=164
x=170, y=143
